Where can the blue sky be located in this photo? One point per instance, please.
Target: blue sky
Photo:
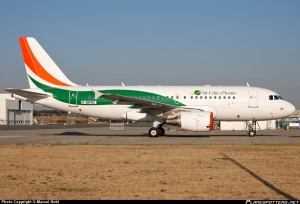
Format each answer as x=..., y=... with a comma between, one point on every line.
x=158, y=42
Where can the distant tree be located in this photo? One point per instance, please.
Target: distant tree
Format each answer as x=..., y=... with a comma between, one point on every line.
x=35, y=113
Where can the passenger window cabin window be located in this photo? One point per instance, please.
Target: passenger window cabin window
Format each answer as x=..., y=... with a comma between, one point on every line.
x=149, y=97
x=177, y=97
x=215, y=97
x=205, y=97
x=271, y=97
x=184, y=97
x=233, y=97
x=191, y=97
x=171, y=97
x=219, y=97
x=196, y=97
x=200, y=97
x=224, y=97
x=228, y=97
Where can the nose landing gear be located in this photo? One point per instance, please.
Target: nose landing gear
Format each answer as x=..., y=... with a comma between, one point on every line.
x=252, y=127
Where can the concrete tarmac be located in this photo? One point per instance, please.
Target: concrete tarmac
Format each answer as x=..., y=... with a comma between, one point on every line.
x=137, y=134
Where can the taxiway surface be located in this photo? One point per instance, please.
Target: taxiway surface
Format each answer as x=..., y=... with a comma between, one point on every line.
x=137, y=134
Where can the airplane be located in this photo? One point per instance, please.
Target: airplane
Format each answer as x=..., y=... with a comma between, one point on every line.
x=192, y=108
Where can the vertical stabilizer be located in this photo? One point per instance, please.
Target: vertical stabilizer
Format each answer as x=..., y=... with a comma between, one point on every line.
x=40, y=68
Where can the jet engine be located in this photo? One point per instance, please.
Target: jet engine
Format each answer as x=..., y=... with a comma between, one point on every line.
x=193, y=121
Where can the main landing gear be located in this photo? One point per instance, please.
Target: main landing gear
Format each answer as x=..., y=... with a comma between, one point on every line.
x=157, y=131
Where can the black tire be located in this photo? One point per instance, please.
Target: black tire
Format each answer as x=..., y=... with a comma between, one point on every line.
x=154, y=132
x=161, y=131
x=251, y=133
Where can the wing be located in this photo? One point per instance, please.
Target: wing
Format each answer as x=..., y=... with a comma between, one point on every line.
x=26, y=94
x=119, y=99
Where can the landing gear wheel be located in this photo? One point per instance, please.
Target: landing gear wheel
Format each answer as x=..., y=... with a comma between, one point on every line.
x=251, y=133
x=161, y=131
x=154, y=132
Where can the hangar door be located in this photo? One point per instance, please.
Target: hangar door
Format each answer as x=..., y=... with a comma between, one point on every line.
x=10, y=117
x=27, y=117
x=18, y=117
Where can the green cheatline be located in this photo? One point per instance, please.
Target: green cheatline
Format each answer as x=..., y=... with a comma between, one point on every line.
x=63, y=95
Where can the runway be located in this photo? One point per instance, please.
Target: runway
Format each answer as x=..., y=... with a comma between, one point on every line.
x=137, y=134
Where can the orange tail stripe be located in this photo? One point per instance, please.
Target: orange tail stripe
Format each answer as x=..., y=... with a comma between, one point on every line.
x=35, y=66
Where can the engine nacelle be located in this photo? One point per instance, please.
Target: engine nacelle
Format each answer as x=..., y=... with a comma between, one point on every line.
x=193, y=121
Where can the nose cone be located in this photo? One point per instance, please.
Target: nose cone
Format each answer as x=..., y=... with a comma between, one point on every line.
x=288, y=109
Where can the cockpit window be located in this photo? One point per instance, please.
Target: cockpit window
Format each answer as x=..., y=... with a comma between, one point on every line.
x=275, y=97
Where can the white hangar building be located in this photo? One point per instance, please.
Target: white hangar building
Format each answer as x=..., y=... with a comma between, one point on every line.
x=14, y=111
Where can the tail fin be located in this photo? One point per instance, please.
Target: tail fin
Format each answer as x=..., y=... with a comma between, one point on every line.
x=40, y=68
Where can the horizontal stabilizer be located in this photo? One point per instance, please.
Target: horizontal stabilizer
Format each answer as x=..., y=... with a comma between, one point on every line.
x=26, y=94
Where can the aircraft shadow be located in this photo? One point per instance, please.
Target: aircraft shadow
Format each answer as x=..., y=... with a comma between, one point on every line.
x=73, y=133
x=123, y=134
x=97, y=135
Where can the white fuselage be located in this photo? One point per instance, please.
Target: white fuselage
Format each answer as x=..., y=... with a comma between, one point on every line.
x=231, y=103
